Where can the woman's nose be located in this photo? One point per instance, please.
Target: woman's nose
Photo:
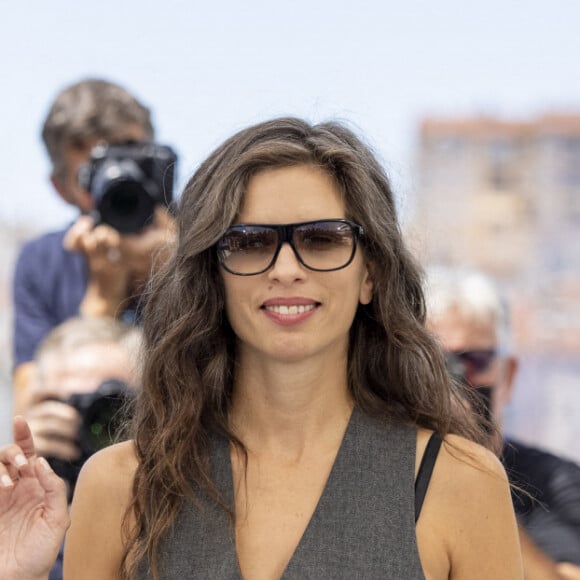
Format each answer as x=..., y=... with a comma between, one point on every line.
x=287, y=266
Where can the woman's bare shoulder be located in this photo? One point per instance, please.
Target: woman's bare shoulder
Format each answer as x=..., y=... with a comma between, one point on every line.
x=119, y=456
x=464, y=470
x=465, y=458
x=111, y=469
x=459, y=452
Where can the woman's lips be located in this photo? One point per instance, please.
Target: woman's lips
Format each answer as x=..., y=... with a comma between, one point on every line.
x=289, y=311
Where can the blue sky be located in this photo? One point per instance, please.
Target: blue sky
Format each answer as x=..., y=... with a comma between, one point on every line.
x=209, y=68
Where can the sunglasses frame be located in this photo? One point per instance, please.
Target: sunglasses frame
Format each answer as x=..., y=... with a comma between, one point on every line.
x=285, y=234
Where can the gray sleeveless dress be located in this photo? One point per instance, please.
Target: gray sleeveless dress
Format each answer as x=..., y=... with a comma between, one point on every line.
x=362, y=528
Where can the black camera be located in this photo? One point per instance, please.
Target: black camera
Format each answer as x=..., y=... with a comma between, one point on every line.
x=103, y=414
x=127, y=181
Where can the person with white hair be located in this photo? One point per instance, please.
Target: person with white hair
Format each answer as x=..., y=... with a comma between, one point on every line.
x=87, y=370
x=466, y=310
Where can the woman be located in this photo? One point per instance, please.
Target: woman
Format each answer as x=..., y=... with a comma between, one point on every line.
x=290, y=390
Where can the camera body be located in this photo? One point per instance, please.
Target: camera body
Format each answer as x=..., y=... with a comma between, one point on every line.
x=127, y=181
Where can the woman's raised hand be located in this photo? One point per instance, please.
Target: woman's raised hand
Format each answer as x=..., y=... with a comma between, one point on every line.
x=33, y=509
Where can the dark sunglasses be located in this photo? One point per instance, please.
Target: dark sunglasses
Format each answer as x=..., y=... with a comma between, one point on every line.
x=321, y=245
x=473, y=361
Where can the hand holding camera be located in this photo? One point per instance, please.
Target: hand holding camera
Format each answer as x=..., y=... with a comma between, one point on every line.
x=132, y=188
x=109, y=273
x=67, y=432
x=55, y=425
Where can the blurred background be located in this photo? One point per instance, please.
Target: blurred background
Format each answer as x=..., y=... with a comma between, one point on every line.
x=473, y=108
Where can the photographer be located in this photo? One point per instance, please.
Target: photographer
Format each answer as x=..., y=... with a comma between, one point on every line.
x=74, y=364
x=86, y=368
x=104, y=162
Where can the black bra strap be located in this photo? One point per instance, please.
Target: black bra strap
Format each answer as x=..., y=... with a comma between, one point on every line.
x=425, y=471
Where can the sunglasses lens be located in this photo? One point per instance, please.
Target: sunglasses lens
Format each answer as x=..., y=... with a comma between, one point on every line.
x=325, y=245
x=477, y=360
x=248, y=249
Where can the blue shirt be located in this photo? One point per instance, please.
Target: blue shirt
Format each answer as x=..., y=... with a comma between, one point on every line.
x=49, y=285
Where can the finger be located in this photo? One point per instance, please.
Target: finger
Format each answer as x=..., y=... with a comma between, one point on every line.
x=93, y=240
x=54, y=428
x=59, y=447
x=13, y=463
x=6, y=479
x=55, y=494
x=73, y=238
x=107, y=246
x=10, y=470
x=8, y=452
x=23, y=436
x=51, y=409
x=163, y=218
x=107, y=236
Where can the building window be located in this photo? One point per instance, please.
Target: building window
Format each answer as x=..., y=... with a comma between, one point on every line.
x=502, y=159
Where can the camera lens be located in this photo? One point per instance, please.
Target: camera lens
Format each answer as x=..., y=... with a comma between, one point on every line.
x=127, y=181
x=126, y=206
x=102, y=422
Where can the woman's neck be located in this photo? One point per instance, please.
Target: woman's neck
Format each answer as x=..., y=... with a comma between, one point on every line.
x=283, y=408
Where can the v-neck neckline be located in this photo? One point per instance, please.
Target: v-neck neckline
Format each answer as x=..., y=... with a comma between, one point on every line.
x=362, y=525
x=228, y=489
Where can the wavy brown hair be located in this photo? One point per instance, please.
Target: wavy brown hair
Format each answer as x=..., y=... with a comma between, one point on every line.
x=396, y=370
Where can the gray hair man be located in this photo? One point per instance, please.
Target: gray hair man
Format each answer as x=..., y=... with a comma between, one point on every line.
x=469, y=315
